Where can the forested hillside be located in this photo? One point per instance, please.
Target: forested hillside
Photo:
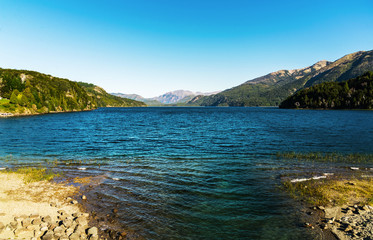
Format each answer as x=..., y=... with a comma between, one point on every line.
x=30, y=92
x=273, y=88
x=356, y=93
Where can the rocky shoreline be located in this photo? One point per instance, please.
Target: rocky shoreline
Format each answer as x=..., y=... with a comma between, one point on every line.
x=348, y=222
x=46, y=210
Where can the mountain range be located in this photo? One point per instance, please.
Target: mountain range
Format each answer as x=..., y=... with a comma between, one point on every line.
x=275, y=87
x=173, y=97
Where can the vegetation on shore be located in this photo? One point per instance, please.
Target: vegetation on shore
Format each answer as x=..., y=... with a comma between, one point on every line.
x=327, y=157
x=334, y=192
x=356, y=93
x=31, y=174
x=331, y=189
x=30, y=92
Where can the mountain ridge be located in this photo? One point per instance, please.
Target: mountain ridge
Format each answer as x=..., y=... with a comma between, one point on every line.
x=171, y=97
x=273, y=88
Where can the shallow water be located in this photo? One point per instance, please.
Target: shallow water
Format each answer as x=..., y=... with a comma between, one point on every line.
x=190, y=173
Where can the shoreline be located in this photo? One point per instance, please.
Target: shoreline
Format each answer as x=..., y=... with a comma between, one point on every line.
x=47, y=210
x=351, y=218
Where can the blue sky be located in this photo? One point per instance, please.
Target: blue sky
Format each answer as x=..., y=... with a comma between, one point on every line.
x=153, y=46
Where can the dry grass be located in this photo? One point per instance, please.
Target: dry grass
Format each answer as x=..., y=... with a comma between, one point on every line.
x=333, y=192
x=327, y=157
x=35, y=174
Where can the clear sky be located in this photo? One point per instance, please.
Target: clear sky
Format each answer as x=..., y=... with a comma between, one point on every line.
x=150, y=47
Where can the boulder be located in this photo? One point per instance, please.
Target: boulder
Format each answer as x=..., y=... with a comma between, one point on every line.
x=47, y=219
x=74, y=236
x=92, y=231
x=36, y=221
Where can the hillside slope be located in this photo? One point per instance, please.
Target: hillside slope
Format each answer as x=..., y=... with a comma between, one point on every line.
x=273, y=88
x=356, y=93
x=30, y=92
x=104, y=99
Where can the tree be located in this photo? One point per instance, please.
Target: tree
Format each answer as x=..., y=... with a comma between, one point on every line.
x=13, y=97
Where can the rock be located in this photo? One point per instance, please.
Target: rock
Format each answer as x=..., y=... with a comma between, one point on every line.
x=69, y=231
x=2, y=226
x=74, y=236
x=62, y=217
x=64, y=237
x=366, y=208
x=18, y=231
x=58, y=230
x=31, y=227
x=13, y=224
x=74, y=202
x=44, y=229
x=85, y=215
x=38, y=233
x=75, y=215
x=324, y=226
x=81, y=220
x=34, y=215
x=47, y=219
x=52, y=226
x=115, y=210
x=92, y=231
x=84, y=197
x=93, y=237
x=348, y=228
x=331, y=221
x=48, y=236
x=308, y=225
x=67, y=222
x=26, y=222
x=62, y=212
x=36, y=221
x=321, y=207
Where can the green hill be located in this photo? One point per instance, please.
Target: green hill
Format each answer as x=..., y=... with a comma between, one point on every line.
x=273, y=88
x=104, y=99
x=30, y=92
x=356, y=93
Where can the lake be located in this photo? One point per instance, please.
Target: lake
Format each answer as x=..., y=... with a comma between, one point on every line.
x=189, y=173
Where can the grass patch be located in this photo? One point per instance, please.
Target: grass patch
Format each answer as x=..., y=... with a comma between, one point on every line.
x=334, y=192
x=35, y=174
x=327, y=157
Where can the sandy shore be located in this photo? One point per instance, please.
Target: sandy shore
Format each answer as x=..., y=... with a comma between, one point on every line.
x=41, y=210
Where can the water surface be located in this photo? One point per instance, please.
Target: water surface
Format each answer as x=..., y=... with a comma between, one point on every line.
x=190, y=173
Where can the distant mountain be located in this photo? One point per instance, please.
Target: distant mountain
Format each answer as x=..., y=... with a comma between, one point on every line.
x=356, y=93
x=273, y=88
x=174, y=97
x=105, y=99
x=147, y=101
x=129, y=96
x=25, y=92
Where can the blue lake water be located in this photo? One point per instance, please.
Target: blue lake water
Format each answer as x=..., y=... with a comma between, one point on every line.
x=189, y=173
